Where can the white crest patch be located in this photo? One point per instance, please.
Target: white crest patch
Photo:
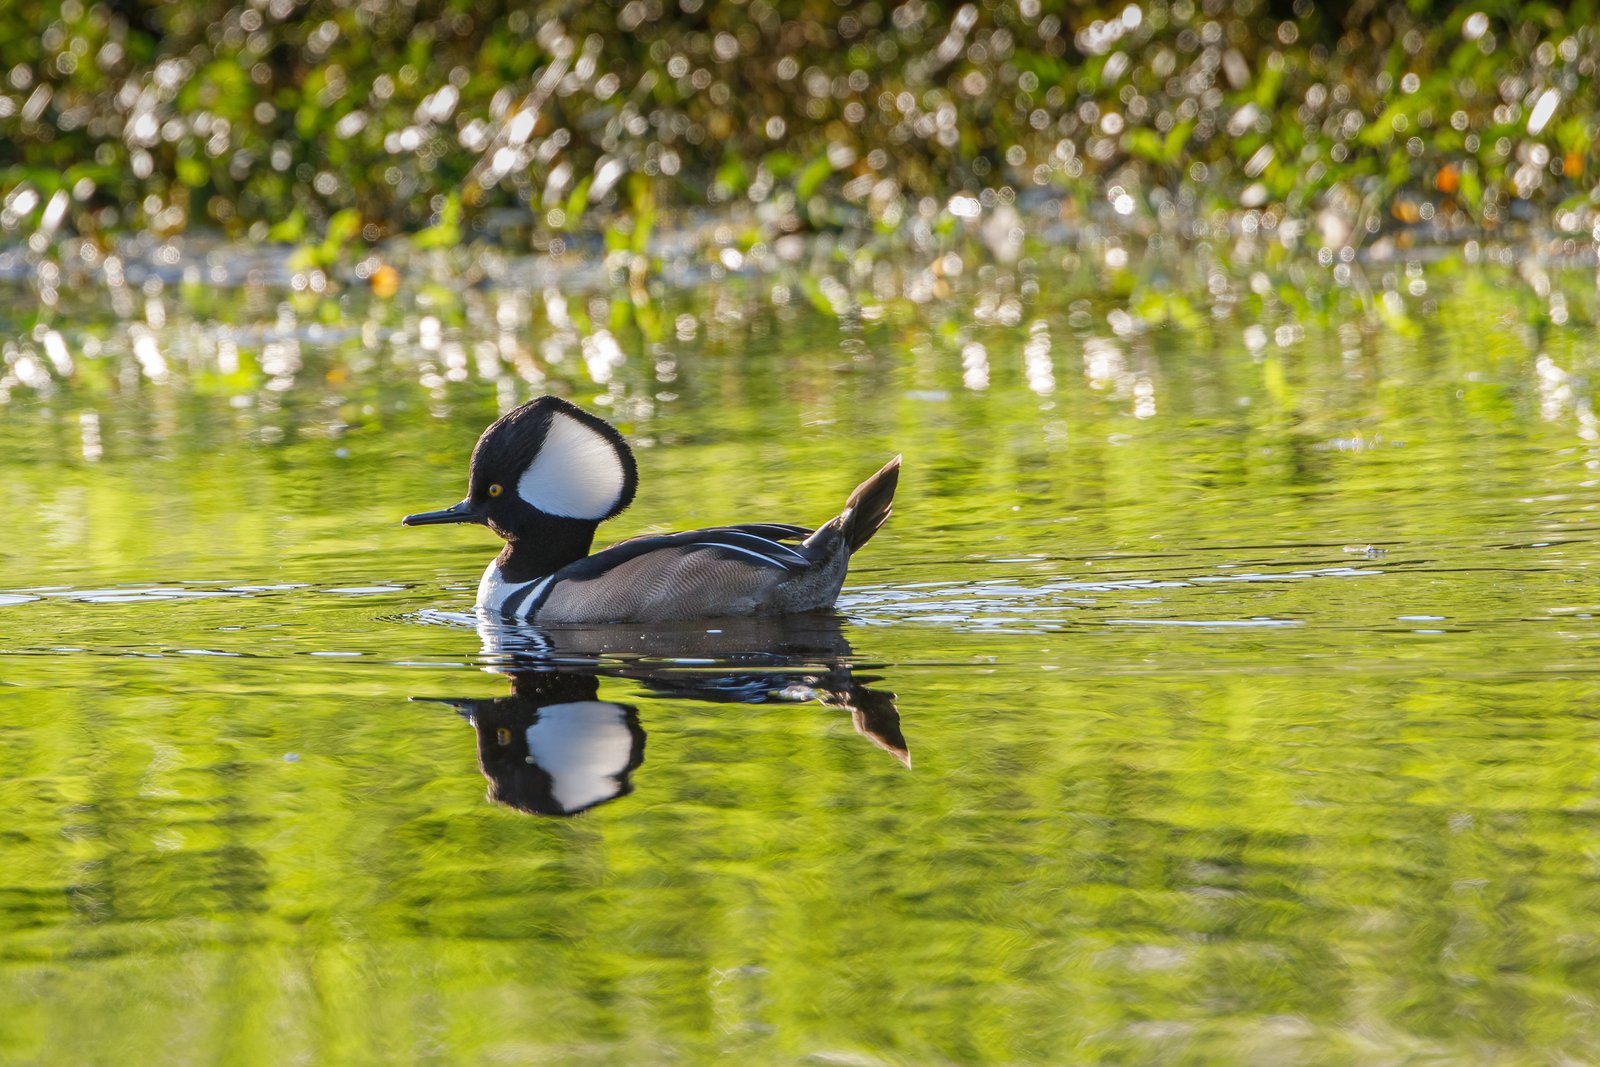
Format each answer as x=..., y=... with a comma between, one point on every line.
x=584, y=747
x=577, y=473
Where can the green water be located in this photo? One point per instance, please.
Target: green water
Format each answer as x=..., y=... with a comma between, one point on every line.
x=1245, y=674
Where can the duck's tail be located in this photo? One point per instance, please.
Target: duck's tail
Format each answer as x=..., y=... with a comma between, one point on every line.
x=868, y=508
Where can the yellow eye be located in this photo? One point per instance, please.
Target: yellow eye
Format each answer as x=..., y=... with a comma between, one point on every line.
x=495, y=490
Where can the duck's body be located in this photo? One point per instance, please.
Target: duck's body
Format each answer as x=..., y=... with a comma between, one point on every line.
x=724, y=571
x=546, y=475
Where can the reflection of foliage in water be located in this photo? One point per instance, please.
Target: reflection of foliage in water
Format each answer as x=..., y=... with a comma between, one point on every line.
x=1151, y=820
x=1332, y=842
x=959, y=321
x=389, y=116
x=1297, y=370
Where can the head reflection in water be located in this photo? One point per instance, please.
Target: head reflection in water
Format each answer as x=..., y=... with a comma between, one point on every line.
x=553, y=747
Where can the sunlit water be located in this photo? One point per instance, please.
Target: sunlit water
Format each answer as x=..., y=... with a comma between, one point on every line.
x=1221, y=695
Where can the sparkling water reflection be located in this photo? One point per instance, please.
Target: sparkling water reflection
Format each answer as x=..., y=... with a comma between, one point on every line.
x=1234, y=741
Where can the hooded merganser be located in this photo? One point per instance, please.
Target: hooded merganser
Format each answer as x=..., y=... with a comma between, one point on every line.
x=546, y=475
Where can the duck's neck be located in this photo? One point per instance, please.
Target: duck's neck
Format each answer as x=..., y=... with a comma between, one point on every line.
x=545, y=548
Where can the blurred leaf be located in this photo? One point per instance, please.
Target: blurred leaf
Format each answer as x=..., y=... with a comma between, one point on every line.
x=578, y=201
x=1471, y=186
x=193, y=173
x=446, y=233
x=343, y=227
x=1177, y=137
x=1267, y=87
x=290, y=230
x=1144, y=143
x=811, y=179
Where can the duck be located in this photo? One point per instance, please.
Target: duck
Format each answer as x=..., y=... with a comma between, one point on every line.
x=544, y=476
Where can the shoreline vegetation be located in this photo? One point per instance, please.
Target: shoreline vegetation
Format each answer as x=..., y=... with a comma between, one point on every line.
x=333, y=125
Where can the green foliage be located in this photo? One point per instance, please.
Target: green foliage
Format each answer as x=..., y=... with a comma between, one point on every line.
x=223, y=113
x=445, y=231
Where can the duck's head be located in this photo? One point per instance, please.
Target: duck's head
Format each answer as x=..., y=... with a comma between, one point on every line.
x=546, y=463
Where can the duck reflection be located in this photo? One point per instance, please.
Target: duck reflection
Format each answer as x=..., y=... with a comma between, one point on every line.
x=553, y=747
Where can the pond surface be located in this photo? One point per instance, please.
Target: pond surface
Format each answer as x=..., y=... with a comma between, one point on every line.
x=1220, y=691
